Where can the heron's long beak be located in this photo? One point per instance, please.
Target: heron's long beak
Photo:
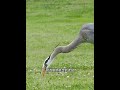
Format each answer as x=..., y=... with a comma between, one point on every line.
x=43, y=71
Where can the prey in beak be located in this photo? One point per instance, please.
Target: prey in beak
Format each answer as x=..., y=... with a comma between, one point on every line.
x=43, y=71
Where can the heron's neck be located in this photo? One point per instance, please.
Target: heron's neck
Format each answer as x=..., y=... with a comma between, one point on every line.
x=67, y=48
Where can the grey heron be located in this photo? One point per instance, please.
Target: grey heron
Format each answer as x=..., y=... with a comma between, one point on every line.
x=86, y=34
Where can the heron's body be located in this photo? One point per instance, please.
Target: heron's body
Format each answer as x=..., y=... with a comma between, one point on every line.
x=86, y=34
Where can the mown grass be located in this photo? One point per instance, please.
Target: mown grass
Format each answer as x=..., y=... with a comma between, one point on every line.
x=52, y=22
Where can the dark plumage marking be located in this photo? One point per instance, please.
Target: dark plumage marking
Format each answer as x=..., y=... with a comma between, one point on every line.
x=46, y=61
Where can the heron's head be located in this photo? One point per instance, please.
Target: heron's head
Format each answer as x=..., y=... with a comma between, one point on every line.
x=45, y=65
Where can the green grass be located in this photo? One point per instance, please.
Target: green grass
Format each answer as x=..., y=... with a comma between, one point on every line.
x=52, y=22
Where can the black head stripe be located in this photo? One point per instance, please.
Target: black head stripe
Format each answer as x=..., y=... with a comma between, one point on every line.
x=47, y=59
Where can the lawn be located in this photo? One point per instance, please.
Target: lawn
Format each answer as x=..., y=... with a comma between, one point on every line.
x=53, y=22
